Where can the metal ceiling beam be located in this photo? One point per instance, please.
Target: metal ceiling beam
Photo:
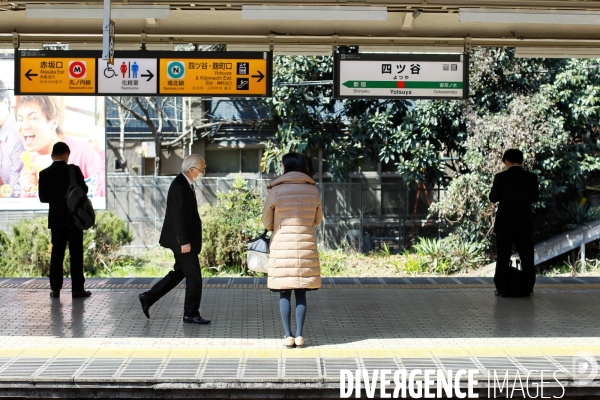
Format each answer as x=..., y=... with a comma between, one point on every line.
x=286, y=40
x=444, y=5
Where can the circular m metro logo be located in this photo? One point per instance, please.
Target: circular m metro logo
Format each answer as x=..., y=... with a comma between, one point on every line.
x=77, y=69
x=175, y=70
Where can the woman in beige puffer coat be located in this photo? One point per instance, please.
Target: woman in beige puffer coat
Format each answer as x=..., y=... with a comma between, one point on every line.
x=292, y=210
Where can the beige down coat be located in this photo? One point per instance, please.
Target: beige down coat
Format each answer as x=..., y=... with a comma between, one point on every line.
x=292, y=210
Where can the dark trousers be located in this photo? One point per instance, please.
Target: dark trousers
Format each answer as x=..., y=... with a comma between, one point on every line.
x=508, y=280
x=186, y=266
x=60, y=238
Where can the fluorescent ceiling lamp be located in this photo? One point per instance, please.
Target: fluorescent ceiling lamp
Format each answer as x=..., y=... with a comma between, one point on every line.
x=248, y=47
x=122, y=46
x=557, y=52
x=286, y=49
x=22, y=46
x=411, y=49
x=58, y=11
x=510, y=16
x=316, y=13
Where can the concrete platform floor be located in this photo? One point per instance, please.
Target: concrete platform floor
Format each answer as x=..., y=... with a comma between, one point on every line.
x=106, y=343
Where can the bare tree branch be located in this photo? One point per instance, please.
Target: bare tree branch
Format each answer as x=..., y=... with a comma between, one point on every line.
x=122, y=160
x=129, y=109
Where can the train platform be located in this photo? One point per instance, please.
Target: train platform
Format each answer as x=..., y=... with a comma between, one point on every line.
x=104, y=347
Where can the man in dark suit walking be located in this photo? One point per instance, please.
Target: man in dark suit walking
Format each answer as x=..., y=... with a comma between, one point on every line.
x=515, y=190
x=53, y=184
x=182, y=233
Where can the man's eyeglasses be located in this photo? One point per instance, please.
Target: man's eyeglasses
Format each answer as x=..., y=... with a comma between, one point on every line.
x=201, y=172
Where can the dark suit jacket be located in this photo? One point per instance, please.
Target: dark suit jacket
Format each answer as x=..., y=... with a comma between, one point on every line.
x=515, y=190
x=182, y=222
x=53, y=185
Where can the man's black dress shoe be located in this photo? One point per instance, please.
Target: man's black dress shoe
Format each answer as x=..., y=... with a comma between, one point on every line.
x=497, y=293
x=196, y=320
x=80, y=294
x=55, y=294
x=145, y=304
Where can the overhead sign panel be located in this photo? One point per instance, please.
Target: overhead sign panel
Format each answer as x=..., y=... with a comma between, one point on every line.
x=228, y=74
x=128, y=76
x=394, y=76
x=57, y=75
x=245, y=74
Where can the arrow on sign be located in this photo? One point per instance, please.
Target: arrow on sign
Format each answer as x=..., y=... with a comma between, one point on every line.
x=149, y=74
x=28, y=75
x=260, y=76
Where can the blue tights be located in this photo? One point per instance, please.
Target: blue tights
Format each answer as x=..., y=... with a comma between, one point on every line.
x=285, y=308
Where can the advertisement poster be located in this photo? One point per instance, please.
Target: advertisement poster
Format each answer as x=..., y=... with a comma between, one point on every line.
x=29, y=128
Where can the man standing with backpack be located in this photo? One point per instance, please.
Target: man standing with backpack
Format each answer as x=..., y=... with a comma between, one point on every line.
x=54, y=183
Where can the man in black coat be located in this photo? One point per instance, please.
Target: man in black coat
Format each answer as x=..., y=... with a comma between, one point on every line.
x=182, y=233
x=515, y=190
x=53, y=184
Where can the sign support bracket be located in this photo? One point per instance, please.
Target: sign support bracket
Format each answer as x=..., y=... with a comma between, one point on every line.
x=16, y=40
x=108, y=35
x=144, y=40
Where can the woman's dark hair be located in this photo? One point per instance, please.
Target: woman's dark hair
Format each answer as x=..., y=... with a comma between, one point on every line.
x=294, y=162
x=309, y=167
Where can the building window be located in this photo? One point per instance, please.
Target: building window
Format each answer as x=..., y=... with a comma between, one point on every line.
x=224, y=161
x=250, y=162
x=231, y=161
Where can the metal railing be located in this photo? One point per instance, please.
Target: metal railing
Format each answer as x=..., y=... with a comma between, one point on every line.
x=360, y=214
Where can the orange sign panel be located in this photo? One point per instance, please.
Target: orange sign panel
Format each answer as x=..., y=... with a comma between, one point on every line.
x=41, y=75
x=224, y=77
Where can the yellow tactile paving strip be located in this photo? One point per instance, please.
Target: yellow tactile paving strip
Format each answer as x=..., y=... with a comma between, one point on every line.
x=549, y=351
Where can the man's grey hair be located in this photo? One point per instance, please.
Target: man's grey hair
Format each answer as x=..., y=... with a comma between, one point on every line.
x=193, y=160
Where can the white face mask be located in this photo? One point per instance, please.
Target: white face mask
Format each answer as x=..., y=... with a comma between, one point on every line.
x=197, y=178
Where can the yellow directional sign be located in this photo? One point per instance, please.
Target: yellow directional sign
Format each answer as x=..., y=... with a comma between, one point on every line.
x=218, y=76
x=57, y=75
x=183, y=73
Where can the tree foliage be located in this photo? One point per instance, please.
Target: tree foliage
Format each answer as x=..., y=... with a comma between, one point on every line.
x=548, y=108
x=307, y=117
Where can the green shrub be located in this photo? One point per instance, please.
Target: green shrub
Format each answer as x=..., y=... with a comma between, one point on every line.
x=101, y=242
x=450, y=255
x=574, y=214
x=333, y=262
x=229, y=224
x=414, y=264
x=27, y=251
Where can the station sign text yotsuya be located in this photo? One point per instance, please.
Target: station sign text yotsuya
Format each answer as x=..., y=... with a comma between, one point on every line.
x=396, y=76
x=227, y=74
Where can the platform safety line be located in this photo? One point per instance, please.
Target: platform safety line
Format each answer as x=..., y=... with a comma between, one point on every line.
x=140, y=353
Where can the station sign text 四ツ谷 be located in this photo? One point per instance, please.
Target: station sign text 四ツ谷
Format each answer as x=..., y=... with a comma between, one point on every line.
x=227, y=74
x=393, y=76
x=236, y=74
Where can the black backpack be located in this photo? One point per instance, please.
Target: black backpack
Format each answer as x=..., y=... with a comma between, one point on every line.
x=78, y=203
